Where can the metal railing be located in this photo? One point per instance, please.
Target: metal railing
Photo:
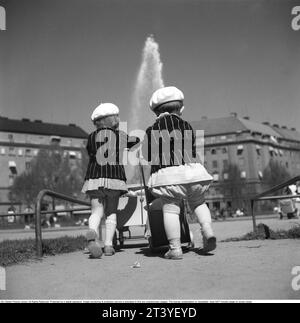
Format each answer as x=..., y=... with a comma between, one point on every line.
x=265, y=196
x=39, y=212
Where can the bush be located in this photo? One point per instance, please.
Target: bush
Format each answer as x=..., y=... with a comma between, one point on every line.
x=293, y=233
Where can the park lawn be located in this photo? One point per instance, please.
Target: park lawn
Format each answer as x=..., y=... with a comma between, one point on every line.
x=17, y=251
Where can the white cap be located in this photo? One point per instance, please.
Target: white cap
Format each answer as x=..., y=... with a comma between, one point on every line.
x=164, y=95
x=105, y=110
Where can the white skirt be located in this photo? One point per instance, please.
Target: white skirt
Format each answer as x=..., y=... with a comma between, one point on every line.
x=108, y=183
x=177, y=175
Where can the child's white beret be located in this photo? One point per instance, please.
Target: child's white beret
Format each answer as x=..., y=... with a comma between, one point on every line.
x=105, y=110
x=164, y=95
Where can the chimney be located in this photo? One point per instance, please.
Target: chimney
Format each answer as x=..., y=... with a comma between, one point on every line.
x=233, y=114
x=293, y=129
x=38, y=121
x=72, y=125
x=247, y=118
x=266, y=123
x=284, y=127
x=25, y=120
x=276, y=125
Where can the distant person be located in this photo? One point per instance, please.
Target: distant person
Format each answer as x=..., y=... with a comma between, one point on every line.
x=28, y=217
x=105, y=181
x=288, y=206
x=177, y=177
x=45, y=217
x=11, y=218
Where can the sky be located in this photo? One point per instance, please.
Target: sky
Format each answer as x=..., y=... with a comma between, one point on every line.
x=59, y=59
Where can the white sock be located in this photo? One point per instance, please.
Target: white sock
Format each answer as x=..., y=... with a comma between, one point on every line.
x=96, y=216
x=110, y=229
x=172, y=228
x=204, y=218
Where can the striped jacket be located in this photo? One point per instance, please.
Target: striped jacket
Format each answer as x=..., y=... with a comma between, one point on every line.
x=170, y=141
x=115, y=141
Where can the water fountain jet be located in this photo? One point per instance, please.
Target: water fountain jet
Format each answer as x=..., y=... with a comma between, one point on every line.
x=149, y=79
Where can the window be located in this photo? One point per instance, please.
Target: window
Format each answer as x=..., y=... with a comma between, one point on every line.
x=224, y=151
x=240, y=150
x=12, y=167
x=20, y=152
x=214, y=151
x=258, y=150
x=225, y=164
x=216, y=177
x=243, y=174
x=226, y=176
x=28, y=152
x=55, y=140
x=28, y=166
x=260, y=175
x=35, y=152
x=223, y=138
x=11, y=151
x=2, y=151
x=11, y=180
x=215, y=164
x=72, y=155
x=271, y=151
x=11, y=137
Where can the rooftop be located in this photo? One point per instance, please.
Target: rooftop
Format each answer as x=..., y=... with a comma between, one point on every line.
x=234, y=124
x=38, y=127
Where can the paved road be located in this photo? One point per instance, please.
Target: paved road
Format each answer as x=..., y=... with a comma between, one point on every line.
x=242, y=270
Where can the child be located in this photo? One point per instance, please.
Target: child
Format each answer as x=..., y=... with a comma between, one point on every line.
x=176, y=176
x=105, y=181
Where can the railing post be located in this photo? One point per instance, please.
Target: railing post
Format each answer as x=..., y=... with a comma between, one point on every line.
x=253, y=216
x=38, y=225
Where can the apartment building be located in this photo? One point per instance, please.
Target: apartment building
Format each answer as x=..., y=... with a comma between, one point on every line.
x=249, y=145
x=20, y=142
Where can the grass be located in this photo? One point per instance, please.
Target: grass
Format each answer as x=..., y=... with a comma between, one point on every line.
x=293, y=233
x=18, y=251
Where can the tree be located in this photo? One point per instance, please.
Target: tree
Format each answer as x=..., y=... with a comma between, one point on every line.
x=275, y=174
x=53, y=170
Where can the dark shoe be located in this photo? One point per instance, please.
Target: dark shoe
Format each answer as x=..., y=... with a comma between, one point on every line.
x=94, y=246
x=209, y=244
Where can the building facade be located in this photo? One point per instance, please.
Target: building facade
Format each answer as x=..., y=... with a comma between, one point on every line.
x=249, y=145
x=20, y=142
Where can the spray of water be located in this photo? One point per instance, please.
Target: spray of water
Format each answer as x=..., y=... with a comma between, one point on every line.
x=149, y=79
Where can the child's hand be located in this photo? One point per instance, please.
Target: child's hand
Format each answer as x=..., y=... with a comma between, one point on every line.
x=131, y=194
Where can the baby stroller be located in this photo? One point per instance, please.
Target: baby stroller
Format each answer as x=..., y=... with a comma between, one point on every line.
x=155, y=231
